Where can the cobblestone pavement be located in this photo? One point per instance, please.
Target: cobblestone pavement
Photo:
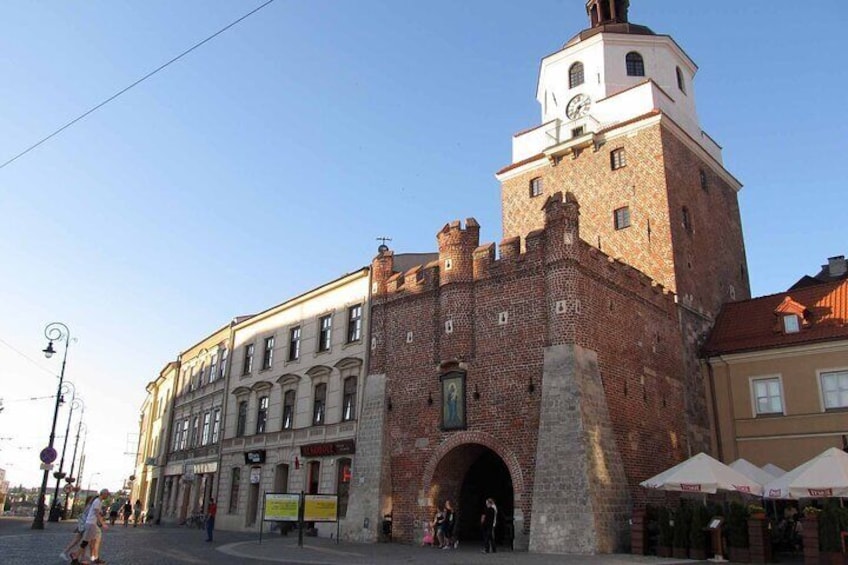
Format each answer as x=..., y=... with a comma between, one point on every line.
x=19, y=544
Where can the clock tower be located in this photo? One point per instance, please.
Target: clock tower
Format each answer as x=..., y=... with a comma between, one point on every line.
x=620, y=130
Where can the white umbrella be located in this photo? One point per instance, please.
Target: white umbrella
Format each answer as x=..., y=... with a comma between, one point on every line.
x=825, y=477
x=773, y=470
x=752, y=471
x=779, y=487
x=703, y=474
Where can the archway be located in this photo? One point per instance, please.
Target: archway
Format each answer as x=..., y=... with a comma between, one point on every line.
x=468, y=475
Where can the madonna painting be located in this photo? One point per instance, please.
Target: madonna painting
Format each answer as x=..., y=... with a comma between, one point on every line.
x=453, y=401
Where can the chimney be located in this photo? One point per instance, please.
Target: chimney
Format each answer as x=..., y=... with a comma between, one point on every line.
x=836, y=266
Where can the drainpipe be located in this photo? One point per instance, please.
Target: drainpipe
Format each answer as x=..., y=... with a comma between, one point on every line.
x=714, y=402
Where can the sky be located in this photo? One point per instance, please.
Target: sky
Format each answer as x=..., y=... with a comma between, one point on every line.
x=270, y=159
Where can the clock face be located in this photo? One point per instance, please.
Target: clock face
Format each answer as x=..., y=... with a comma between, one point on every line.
x=578, y=107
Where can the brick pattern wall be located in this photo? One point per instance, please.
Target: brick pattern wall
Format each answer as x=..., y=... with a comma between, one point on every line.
x=559, y=291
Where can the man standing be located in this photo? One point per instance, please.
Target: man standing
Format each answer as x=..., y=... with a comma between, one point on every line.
x=489, y=521
x=93, y=530
x=211, y=510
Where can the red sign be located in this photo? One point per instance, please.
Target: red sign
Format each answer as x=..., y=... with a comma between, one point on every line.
x=774, y=492
x=690, y=488
x=742, y=488
x=820, y=492
x=346, y=447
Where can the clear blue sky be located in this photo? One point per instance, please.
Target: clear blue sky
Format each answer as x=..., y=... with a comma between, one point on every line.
x=266, y=162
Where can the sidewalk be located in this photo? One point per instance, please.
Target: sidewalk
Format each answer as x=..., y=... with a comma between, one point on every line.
x=323, y=551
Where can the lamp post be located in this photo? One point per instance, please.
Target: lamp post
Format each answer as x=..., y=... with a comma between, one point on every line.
x=54, y=510
x=71, y=479
x=55, y=331
x=90, y=479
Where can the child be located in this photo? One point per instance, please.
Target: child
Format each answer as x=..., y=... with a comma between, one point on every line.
x=428, y=536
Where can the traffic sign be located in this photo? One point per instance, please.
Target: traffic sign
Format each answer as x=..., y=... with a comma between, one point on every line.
x=48, y=455
x=68, y=489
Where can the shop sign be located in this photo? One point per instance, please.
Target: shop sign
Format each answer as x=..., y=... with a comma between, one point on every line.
x=345, y=447
x=254, y=457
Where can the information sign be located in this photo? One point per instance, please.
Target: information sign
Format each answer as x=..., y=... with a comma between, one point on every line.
x=281, y=507
x=321, y=508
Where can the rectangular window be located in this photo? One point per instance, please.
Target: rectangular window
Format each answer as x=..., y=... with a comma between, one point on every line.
x=325, y=335
x=195, y=431
x=536, y=187
x=621, y=218
x=213, y=368
x=354, y=323
x=835, y=389
x=234, y=489
x=248, y=360
x=176, y=445
x=268, y=355
x=349, y=399
x=577, y=132
x=767, y=396
x=288, y=410
x=184, y=435
x=223, y=367
x=790, y=324
x=314, y=477
x=618, y=158
x=262, y=415
x=207, y=427
x=241, y=420
x=319, y=404
x=294, y=343
x=216, y=425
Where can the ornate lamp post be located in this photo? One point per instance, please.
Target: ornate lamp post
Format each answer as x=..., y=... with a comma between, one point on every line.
x=56, y=331
x=76, y=402
x=71, y=479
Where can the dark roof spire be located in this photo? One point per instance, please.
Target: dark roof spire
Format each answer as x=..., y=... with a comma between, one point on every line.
x=603, y=12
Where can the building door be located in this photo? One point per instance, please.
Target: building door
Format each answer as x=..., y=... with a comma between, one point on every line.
x=253, y=496
x=281, y=478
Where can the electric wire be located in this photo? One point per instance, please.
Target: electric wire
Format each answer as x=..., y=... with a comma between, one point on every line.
x=25, y=356
x=136, y=83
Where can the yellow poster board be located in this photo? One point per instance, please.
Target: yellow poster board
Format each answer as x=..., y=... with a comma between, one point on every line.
x=281, y=507
x=321, y=508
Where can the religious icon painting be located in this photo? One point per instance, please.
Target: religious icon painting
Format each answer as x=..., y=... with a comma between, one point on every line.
x=453, y=400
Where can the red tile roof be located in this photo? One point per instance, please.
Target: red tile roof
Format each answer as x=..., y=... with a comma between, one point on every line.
x=754, y=324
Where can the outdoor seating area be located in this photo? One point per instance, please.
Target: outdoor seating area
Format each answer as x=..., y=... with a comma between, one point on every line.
x=704, y=509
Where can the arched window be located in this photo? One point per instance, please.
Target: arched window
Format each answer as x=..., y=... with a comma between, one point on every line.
x=575, y=75
x=681, y=84
x=635, y=64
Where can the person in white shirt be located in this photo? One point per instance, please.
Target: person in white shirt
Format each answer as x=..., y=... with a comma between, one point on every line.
x=93, y=527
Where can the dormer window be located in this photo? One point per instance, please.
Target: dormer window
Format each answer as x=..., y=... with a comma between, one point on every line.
x=635, y=64
x=575, y=75
x=791, y=324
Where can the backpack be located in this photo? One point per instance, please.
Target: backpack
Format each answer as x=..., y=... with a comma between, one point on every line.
x=83, y=519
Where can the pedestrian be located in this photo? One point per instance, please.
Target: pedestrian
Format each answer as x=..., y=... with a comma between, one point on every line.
x=438, y=520
x=488, y=522
x=211, y=511
x=127, y=512
x=114, y=508
x=136, y=513
x=78, y=531
x=151, y=513
x=445, y=533
x=92, y=536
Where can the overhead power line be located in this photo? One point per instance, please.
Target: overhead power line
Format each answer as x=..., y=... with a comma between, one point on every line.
x=136, y=83
x=25, y=356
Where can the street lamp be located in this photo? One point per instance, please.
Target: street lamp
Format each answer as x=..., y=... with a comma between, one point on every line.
x=56, y=331
x=54, y=509
x=90, y=478
x=71, y=479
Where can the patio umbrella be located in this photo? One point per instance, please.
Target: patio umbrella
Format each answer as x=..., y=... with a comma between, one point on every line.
x=703, y=474
x=773, y=470
x=779, y=487
x=825, y=477
x=752, y=471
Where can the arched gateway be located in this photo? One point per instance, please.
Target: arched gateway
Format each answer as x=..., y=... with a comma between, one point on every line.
x=467, y=470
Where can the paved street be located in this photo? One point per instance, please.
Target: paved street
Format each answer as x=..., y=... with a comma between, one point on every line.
x=167, y=544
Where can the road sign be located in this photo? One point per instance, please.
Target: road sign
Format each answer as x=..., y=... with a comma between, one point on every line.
x=68, y=488
x=48, y=455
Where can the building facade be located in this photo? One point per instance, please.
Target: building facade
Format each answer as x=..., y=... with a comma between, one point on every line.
x=154, y=427
x=778, y=373
x=293, y=401
x=557, y=376
x=190, y=475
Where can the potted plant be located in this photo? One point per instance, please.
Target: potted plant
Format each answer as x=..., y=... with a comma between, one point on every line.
x=832, y=521
x=666, y=537
x=756, y=511
x=737, y=533
x=682, y=521
x=697, y=532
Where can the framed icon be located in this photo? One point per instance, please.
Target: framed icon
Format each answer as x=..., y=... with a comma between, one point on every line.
x=453, y=401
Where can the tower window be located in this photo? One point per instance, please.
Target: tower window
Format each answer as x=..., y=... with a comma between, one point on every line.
x=687, y=219
x=704, y=181
x=621, y=218
x=681, y=84
x=575, y=75
x=618, y=158
x=536, y=187
x=635, y=64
